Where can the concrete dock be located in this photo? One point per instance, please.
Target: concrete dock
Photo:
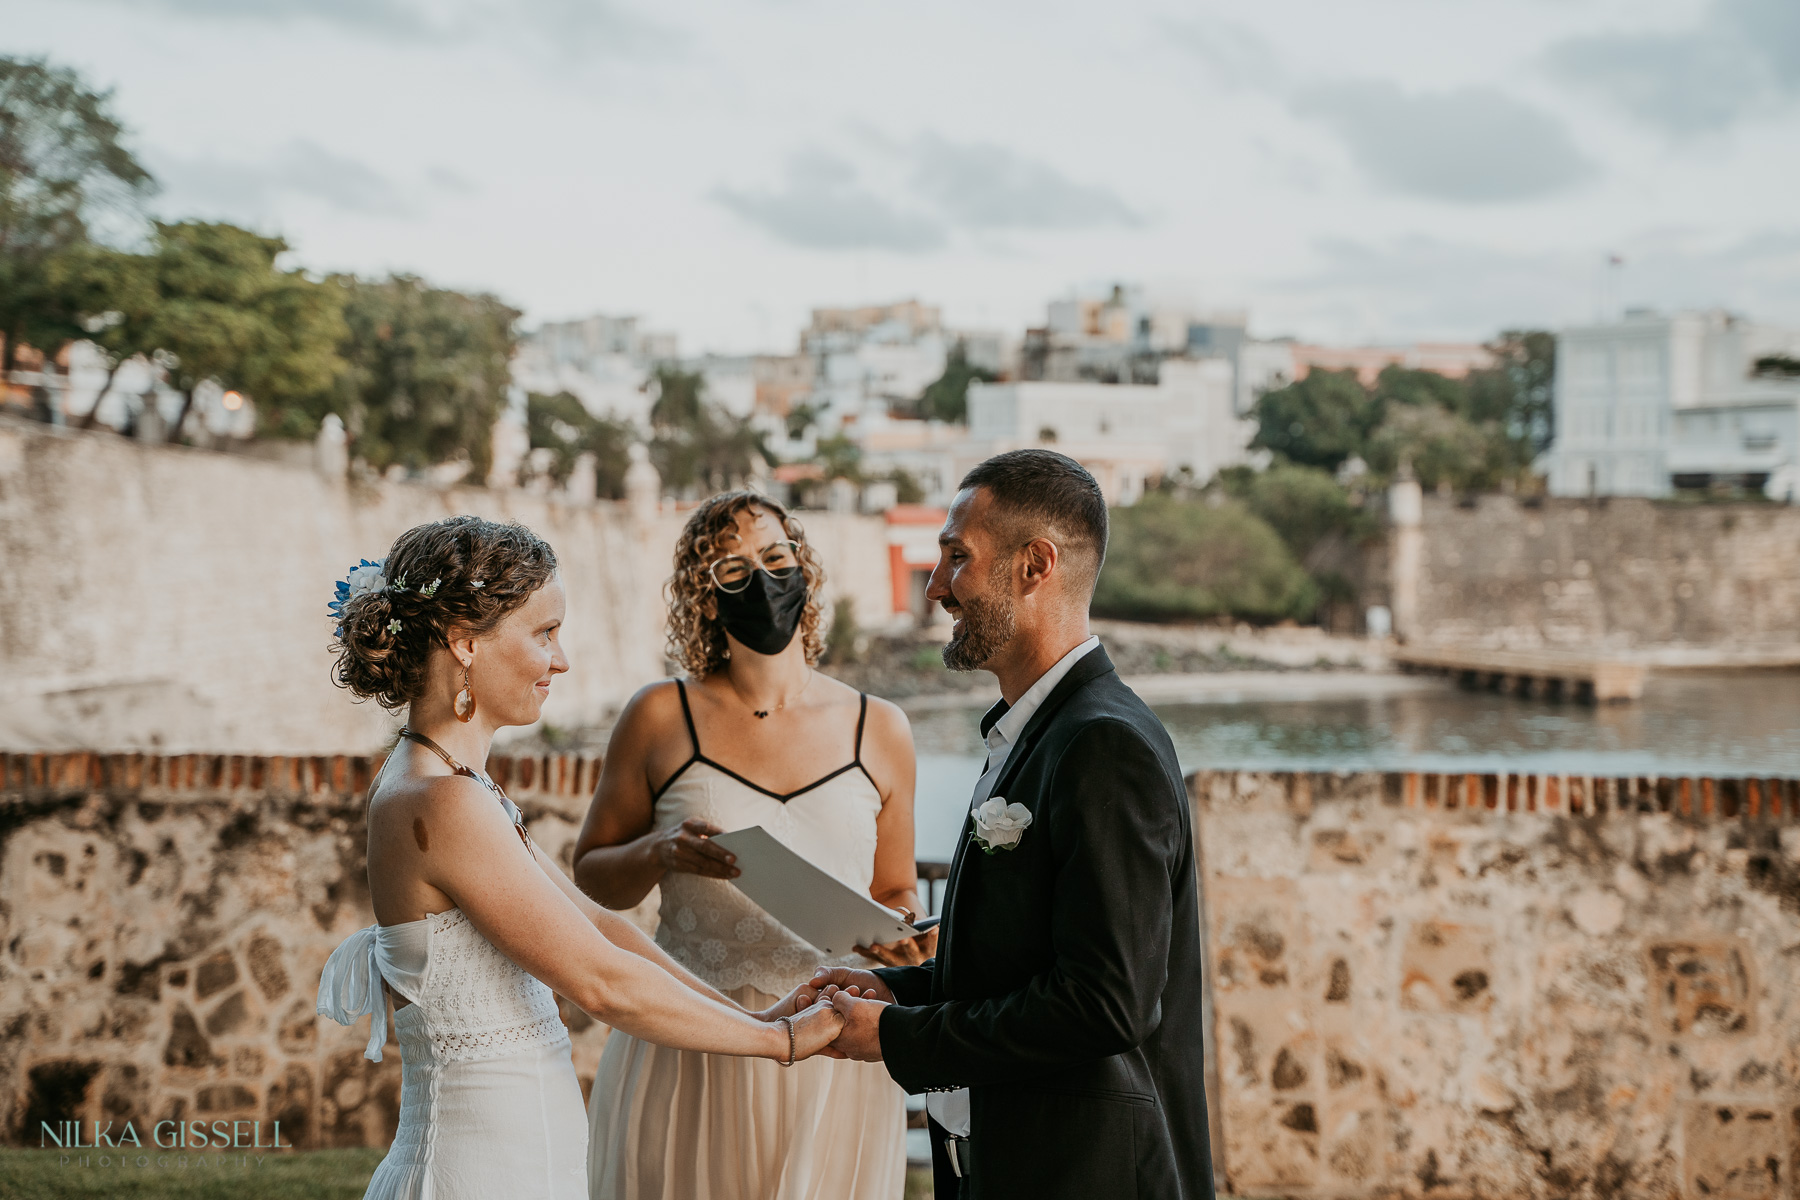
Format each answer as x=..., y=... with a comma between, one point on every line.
x=1530, y=672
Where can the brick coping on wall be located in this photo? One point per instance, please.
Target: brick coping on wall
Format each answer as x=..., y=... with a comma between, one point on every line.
x=544, y=777
x=1693, y=796
x=553, y=777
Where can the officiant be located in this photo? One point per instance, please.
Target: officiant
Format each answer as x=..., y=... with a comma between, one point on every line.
x=753, y=735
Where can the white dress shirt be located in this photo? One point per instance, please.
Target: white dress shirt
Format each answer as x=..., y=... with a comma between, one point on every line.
x=951, y=1109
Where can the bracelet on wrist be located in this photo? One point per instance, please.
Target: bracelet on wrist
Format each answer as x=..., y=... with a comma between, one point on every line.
x=789, y=1022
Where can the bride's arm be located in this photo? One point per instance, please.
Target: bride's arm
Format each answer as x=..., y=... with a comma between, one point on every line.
x=477, y=860
x=626, y=936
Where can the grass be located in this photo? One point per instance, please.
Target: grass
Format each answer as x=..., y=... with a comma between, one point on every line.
x=282, y=1175
x=286, y=1175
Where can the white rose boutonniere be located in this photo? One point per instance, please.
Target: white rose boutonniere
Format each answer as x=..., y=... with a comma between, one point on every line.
x=999, y=825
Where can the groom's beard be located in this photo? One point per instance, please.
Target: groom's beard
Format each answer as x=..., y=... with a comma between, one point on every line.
x=987, y=625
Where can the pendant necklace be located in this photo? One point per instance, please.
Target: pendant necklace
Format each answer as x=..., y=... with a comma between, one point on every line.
x=762, y=713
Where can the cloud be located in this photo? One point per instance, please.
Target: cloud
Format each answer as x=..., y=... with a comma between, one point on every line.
x=1428, y=288
x=979, y=185
x=569, y=28
x=822, y=205
x=1473, y=145
x=301, y=168
x=448, y=179
x=1229, y=54
x=392, y=17
x=1741, y=58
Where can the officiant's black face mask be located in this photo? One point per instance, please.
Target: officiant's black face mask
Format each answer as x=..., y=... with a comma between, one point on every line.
x=766, y=613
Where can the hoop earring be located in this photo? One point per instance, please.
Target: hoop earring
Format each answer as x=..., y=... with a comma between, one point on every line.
x=465, y=699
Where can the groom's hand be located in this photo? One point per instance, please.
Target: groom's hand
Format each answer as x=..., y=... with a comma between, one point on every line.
x=860, y=1037
x=866, y=982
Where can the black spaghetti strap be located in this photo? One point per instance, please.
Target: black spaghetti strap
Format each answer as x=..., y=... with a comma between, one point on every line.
x=861, y=716
x=687, y=714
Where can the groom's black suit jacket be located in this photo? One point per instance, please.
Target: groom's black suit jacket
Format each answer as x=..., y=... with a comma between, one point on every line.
x=1066, y=989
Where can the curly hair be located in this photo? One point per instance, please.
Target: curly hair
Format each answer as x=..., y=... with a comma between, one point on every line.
x=461, y=573
x=696, y=638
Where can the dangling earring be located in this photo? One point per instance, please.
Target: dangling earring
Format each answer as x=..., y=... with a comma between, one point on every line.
x=465, y=699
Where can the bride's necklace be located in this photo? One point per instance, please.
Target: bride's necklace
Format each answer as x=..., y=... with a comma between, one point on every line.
x=762, y=713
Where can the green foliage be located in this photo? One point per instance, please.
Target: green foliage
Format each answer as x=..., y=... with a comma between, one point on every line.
x=947, y=397
x=694, y=443
x=563, y=425
x=428, y=370
x=1444, y=449
x=907, y=489
x=1172, y=557
x=840, y=639
x=1304, y=505
x=1778, y=366
x=840, y=457
x=801, y=418
x=1319, y=421
x=63, y=166
x=224, y=312
x=1518, y=391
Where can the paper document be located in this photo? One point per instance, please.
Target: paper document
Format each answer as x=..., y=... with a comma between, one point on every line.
x=812, y=902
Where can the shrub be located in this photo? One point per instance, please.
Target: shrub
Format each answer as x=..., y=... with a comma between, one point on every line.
x=1173, y=558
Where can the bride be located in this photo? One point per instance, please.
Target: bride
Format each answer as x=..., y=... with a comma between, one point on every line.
x=476, y=926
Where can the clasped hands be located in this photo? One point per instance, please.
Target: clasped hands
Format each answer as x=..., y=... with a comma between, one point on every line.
x=856, y=997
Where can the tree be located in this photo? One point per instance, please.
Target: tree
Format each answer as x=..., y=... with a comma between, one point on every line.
x=224, y=312
x=63, y=165
x=947, y=397
x=1318, y=421
x=428, y=371
x=110, y=295
x=1172, y=557
x=1519, y=390
x=695, y=443
x=1445, y=449
x=1304, y=505
x=564, y=426
x=840, y=457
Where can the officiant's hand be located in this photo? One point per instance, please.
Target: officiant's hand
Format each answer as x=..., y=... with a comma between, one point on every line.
x=860, y=1038
x=908, y=952
x=689, y=847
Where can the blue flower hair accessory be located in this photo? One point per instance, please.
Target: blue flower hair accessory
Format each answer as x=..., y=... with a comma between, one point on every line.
x=365, y=579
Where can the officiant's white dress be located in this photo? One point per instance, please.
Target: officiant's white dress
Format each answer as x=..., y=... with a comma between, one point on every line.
x=489, y=1103
x=683, y=1125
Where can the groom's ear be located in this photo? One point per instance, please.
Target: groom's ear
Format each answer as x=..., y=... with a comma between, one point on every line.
x=1038, y=561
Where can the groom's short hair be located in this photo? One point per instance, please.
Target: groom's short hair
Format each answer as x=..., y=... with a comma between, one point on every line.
x=1040, y=493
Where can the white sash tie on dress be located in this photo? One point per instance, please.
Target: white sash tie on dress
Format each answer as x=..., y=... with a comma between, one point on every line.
x=350, y=986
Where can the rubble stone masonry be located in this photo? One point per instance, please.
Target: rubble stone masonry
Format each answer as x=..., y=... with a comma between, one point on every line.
x=1462, y=986
x=1615, y=575
x=1430, y=986
x=163, y=923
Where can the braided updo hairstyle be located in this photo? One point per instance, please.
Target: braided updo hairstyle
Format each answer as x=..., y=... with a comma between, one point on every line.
x=461, y=573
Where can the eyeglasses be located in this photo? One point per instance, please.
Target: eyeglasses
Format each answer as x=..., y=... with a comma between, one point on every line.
x=732, y=573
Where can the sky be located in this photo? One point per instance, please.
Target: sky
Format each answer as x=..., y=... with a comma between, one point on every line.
x=1382, y=172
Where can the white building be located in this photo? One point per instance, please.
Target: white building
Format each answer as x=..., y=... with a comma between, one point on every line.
x=1654, y=404
x=1127, y=435
x=602, y=361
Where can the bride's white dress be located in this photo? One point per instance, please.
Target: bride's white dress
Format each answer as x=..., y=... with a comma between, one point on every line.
x=489, y=1103
x=683, y=1125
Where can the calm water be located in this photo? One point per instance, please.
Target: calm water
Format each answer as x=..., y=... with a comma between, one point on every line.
x=1736, y=724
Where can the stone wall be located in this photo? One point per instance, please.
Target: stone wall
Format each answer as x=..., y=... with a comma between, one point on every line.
x=160, y=598
x=1487, y=986
x=1615, y=574
x=163, y=924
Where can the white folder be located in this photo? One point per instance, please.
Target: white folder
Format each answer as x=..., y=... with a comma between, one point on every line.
x=807, y=899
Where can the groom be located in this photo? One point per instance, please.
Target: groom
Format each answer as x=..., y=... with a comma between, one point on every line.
x=1058, y=1030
